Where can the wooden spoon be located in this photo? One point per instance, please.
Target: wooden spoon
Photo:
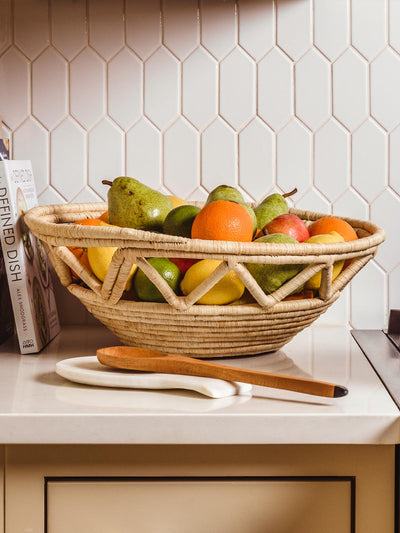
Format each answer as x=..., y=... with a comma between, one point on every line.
x=131, y=358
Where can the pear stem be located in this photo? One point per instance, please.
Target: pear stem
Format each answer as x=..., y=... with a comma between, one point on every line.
x=107, y=182
x=287, y=194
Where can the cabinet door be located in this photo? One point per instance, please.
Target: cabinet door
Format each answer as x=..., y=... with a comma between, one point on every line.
x=198, y=505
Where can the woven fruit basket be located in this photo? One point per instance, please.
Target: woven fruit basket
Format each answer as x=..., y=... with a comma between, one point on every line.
x=255, y=324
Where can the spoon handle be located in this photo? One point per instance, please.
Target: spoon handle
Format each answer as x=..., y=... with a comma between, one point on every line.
x=177, y=364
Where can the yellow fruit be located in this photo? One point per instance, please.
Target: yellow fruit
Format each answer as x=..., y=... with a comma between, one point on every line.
x=100, y=258
x=332, y=236
x=227, y=290
x=176, y=201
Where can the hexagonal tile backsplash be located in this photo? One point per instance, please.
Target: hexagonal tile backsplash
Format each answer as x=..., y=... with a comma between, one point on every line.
x=265, y=95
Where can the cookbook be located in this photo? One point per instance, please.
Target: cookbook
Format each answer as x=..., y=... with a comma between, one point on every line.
x=26, y=263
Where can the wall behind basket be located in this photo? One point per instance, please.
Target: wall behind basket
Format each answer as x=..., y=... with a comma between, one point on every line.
x=186, y=94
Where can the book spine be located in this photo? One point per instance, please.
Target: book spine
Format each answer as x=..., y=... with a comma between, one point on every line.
x=15, y=270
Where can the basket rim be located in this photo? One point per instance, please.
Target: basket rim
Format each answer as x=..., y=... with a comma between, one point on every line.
x=53, y=224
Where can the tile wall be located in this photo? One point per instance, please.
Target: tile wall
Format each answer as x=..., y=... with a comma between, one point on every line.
x=265, y=95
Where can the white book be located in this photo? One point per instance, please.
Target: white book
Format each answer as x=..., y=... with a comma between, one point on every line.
x=26, y=262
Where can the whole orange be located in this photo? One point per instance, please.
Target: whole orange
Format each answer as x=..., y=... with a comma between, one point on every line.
x=91, y=222
x=223, y=221
x=329, y=223
x=81, y=255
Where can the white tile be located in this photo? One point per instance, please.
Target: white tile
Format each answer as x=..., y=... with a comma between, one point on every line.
x=312, y=85
x=50, y=196
x=350, y=89
x=199, y=88
x=125, y=88
x=218, y=26
x=87, y=88
x=368, y=298
x=394, y=288
x=311, y=200
x=31, y=26
x=331, y=26
x=385, y=89
x=143, y=26
x=339, y=312
x=87, y=195
x=181, y=158
x=68, y=159
x=385, y=212
x=106, y=154
x=294, y=157
x=69, y=38
x=14, y=87
x=31, y=141
x=49, y=113
x=351, y=204
x=256, y=159
x=198, y=195
x=394, y=159
x=181, y=26
x=296, y=15
x=275, y=89
x=161, y=88
x=106, y=26
x=237, y=88
x=369, y=160
x=394, y=24
x=332, y=159
x=218, y=155
x=256, y=27
x=369, y=32
x=5, y=24
x=143, y=153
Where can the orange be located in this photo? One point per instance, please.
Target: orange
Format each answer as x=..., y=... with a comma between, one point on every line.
x=91, y=222
x=327, y=224
x=104, y=216
x=223, y=221
x=82, y=256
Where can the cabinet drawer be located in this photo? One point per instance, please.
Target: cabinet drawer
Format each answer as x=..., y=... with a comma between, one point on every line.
x=234, y=505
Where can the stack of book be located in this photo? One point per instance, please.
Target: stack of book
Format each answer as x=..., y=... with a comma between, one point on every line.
x=24, y=262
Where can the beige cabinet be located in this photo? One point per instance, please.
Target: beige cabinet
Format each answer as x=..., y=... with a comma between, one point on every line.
x=163, y=489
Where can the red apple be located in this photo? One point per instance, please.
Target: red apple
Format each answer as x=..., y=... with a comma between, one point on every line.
x=288, y=224
x=184, y=263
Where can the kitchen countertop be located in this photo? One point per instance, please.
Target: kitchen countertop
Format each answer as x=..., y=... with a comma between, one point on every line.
x=37, y=406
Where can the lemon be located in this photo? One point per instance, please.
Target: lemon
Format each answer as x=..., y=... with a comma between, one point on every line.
x=332, y=236
x=176, y=201
x=99, y=260
x=227, y=290
x=146, y=290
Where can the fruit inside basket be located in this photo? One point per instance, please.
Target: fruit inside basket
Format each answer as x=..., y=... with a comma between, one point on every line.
x=263, y=317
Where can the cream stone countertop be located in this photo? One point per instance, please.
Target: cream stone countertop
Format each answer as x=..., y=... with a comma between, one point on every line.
x=39, y=406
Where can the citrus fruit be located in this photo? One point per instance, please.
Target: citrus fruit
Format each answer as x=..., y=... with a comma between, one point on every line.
x=176, y=201
x=179, y=220
x=81, y=254
x=146, y=290
x=223, y=221
x=330, y=223
x=100, y=257
x=104, y=217
x=91, y=222
x=226, y=290
x=331, y=237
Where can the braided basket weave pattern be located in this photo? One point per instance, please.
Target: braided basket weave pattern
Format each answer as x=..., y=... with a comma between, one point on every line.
x=258, y=323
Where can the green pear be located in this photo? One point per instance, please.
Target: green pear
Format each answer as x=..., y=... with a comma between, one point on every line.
x=272, y=276
x=271, y=207
x=230, y=194
x=132, y=204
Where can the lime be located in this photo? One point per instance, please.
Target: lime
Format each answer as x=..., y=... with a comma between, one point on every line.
x=226, y=290
x=179, y=220
x=146, y=290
